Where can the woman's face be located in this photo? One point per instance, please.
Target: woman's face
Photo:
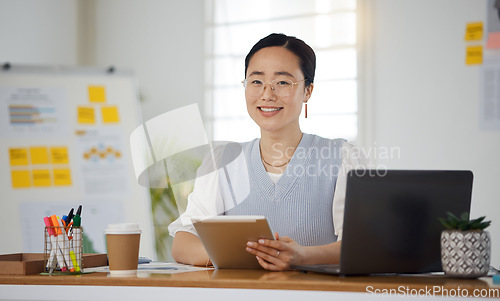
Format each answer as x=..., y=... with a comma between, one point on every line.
x=271, y=112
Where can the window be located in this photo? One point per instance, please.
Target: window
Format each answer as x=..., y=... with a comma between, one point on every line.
x=328, y=26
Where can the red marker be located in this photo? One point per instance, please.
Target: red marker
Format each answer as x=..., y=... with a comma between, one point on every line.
x=53, y=243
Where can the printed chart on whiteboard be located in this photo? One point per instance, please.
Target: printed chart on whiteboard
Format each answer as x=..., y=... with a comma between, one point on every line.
x=65, y=144
x=31, y=111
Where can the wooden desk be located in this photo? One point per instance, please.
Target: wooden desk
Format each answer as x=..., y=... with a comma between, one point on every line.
x=248, y=280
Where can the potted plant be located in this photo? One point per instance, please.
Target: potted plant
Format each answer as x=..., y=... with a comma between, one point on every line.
x=465, y=246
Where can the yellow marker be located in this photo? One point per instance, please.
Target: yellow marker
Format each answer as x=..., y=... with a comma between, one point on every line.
x=474, y=55
x=97, y=94
x=18, y=156
x=20, y=178
x=110, y=114
x=41, y=177
x=86, y=115
x=39, y=155
x=474, y=31
x=73, y=259
x=59, y=155
x=62, y=177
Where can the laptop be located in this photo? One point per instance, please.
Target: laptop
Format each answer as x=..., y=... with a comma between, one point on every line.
x=391, y=220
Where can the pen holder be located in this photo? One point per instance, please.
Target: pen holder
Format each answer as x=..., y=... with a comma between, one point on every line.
x=63, y=249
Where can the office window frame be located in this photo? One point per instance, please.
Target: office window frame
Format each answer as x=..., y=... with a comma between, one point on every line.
x=328, y=116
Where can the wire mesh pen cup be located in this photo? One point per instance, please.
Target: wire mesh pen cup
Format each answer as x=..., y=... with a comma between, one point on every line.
x=63, y=249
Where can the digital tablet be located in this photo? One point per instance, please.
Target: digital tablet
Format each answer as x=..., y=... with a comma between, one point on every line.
x=225, y=239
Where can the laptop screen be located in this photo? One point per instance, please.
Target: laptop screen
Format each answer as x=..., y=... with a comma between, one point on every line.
x=391, y=218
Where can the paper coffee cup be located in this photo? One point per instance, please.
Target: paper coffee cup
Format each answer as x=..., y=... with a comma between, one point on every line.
x=123, y=248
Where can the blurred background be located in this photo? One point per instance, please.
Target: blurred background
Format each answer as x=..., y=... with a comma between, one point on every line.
x=391, y=74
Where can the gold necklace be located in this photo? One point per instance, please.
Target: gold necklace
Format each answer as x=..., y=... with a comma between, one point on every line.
x=281, y=165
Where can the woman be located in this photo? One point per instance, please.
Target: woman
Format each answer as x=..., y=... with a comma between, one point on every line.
x=296, y=180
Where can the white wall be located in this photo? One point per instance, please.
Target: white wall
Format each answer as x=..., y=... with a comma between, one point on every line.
x=425, y=100
x=38, y=32
x=162, y=41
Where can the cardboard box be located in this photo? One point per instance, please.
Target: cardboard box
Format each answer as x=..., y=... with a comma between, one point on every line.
x=34, y=263
x=21, y=264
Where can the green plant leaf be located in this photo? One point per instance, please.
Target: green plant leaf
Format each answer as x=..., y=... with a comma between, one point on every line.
x=474, y=224
x=445, y=223
x=463, y=223
x=484, y=225
x=452, y=216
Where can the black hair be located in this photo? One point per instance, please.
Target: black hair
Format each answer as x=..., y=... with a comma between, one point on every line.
x=307, y=58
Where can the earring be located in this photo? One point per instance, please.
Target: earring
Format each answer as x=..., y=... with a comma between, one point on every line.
x=306, y=110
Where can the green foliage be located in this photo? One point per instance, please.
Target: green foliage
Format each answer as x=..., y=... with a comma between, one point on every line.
x=464, y=223
x=88, y=245
x=166, y=208
x=164, y=212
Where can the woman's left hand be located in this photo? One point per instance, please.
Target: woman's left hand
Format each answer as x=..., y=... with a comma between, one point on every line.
x=277, y=255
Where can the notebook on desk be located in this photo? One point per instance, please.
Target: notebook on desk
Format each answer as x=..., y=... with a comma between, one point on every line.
x=391, y=220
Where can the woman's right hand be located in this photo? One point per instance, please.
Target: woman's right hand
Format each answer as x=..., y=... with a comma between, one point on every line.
x=277, y=255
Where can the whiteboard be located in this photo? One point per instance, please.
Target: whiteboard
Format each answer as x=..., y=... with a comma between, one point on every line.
x=64, y=141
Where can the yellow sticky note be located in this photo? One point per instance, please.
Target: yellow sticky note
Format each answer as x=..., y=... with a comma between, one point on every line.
x=474, y=31
x=20, y=178
x=110, y=114
x=474, y=55
x=62, y=177
x=59, y=155
x=41, y=177
x=39, y=155
x=86, y=115
x=97, y=94
x=18, y=156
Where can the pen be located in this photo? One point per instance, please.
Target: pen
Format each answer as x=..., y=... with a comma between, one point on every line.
x=70, y=216
x=77, y=238
x=66, y=249
x=62, y=242
x=55, y=243
x=73, y=259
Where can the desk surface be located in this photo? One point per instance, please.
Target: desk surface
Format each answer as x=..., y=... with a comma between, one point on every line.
x=259, y=279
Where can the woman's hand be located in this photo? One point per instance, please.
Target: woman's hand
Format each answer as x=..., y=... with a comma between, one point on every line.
x=277, y=255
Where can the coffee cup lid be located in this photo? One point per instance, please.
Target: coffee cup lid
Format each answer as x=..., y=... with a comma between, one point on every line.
x=123, y=228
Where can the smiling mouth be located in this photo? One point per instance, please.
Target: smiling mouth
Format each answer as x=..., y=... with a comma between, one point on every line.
x=269, y=109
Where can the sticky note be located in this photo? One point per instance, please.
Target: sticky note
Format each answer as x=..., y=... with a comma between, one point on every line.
x=18, y=156
x=86, y=115
x=97, y=94
x=20, y=178
x=39, y=155
x=59, y=155
x=493, y=40
x=474, y=55
x=62, y=177
x=474, y=31
x=41, y=177
x=110, y=114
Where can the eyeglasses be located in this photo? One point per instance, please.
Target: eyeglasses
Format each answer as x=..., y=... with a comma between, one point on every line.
x=280, y=87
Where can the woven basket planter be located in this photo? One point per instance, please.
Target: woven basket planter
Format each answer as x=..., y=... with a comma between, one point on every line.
x=465, y=254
